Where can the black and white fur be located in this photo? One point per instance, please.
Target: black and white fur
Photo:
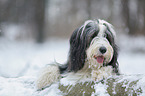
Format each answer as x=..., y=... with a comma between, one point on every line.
x=93, y=54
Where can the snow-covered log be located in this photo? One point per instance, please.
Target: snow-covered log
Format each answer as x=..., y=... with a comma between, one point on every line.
x=123, y=85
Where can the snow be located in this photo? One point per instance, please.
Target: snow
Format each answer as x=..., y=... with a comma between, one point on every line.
x=22, y=86
x=100, y=90
x=26, y=58
x=132, y=54
x=20, y=62
x=72, y=79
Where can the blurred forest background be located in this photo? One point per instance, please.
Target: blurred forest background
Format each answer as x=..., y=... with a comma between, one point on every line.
x=39, y=20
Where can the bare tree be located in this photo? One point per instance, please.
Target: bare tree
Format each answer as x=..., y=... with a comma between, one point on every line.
x=125, y=13
x=89, y=8
x=141, y=16
x=39, y=19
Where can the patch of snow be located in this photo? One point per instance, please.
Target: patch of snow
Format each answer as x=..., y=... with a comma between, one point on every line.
x=72, y=79
x=100, y=90
x=25, y=86
x=22, y=86
x=50, y=91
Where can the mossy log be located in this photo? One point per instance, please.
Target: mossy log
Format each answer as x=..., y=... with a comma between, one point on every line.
x=123, y=85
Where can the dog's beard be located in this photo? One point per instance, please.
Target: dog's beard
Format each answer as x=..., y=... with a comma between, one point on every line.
x=95, y=58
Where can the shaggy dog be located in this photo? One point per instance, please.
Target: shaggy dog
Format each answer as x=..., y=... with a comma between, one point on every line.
x=93, y=54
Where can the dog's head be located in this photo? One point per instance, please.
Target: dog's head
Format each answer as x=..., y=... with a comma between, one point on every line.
x=94, y=41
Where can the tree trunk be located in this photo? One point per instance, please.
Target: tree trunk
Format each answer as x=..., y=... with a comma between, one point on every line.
x=89, y=8
x=141, y=16
x=39, y=19
x=125, y=12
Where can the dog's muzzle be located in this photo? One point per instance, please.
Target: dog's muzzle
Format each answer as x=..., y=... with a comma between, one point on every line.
x=99, y=52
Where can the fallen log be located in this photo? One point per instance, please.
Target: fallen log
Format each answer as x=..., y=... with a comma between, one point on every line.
x=123, y=85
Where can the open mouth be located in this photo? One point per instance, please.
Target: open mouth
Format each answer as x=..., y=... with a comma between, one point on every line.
x=100, y=59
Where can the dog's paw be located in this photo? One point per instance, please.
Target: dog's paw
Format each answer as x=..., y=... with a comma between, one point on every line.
x=48, y=75
x=102, y=73
x=96, y=76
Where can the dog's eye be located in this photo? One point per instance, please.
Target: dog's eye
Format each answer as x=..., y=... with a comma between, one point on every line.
x=110, y=39
x=94, y=35
x=105, y=35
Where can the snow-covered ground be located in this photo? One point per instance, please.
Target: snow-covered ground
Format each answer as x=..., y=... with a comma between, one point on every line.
x=27, y=58
x=132, y=54
x=22, y=61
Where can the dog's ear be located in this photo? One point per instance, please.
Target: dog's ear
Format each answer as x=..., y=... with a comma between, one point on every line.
x=114, y=62
x=79, y=43
x=77, y=51
x=111, y=37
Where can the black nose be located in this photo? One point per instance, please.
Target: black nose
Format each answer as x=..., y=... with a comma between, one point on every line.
x=103, y=49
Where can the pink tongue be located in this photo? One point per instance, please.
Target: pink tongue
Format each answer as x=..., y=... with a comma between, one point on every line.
x=100, y=59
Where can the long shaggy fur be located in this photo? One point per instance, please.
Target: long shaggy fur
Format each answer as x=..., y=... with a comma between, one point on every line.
x=79, y=61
